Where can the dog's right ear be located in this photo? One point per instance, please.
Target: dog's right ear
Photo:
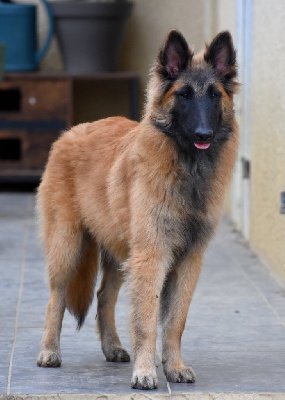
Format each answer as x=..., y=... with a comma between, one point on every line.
x=174, y=55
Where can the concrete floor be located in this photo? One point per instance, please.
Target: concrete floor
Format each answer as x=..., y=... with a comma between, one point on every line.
x=234, y=337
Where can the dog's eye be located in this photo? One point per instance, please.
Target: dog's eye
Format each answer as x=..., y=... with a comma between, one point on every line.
x=214, y=93
x=185, y=95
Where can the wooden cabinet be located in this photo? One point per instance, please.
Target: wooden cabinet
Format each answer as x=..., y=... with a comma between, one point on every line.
x=34, y=109
x=32, y=113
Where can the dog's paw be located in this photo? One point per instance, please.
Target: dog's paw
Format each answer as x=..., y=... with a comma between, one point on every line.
x=118, y=354
x=144, y=381
x=181, y=375
x=49, y=358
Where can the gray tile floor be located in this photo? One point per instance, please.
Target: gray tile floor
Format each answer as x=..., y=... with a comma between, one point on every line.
x=234, y=337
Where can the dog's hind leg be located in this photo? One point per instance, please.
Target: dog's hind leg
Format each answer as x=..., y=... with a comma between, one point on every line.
x=49, y=355
x=63, y=246
x=107, y=298
x=175, y=300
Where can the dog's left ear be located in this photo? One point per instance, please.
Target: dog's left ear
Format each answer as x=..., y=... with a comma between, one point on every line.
x=174, y=55
x=222, y=56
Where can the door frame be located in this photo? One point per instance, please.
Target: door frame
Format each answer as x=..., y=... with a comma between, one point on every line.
x=241, y=180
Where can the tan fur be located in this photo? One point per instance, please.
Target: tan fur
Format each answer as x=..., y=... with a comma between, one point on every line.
x=79, y=289
x=110, y=183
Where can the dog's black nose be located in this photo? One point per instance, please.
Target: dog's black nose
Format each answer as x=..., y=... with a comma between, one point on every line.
x=203, y=135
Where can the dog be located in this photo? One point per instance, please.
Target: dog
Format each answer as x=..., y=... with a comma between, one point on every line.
x=142, y=201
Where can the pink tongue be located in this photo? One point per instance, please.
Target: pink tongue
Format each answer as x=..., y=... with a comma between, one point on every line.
x=202, y=146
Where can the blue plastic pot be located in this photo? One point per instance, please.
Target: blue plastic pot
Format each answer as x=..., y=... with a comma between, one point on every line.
x=18, y=33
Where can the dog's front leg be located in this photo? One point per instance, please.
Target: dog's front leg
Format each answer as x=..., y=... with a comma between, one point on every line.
x=176, y=297
x=146, y=276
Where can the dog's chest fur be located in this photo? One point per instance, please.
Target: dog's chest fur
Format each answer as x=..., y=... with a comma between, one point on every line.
x=182, y=218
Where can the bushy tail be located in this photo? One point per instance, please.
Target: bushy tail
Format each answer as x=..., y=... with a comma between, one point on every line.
x=80, y=289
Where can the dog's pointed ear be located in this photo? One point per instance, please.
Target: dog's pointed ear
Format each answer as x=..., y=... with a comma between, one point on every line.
x=222, y=55
x=174, y=55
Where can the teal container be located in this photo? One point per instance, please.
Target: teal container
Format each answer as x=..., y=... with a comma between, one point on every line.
x=18, y=33
x=2, y=59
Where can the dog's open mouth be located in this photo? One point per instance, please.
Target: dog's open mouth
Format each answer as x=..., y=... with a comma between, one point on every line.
x=202, y=145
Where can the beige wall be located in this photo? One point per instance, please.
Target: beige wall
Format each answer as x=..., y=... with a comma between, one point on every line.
x=267, y=226
x=223, y=15
x=268, y=139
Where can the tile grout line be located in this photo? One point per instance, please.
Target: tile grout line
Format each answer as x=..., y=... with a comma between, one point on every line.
x=160, y=359
x=18, y=310
x=259, y=292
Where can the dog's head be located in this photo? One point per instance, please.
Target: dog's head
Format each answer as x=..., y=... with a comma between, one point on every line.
x=190, y=98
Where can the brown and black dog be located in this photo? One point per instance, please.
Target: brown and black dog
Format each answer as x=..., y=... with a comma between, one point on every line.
x=142, y=200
